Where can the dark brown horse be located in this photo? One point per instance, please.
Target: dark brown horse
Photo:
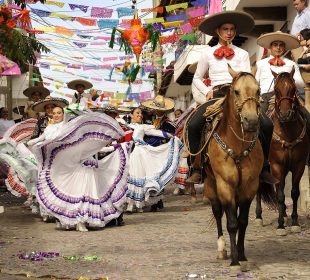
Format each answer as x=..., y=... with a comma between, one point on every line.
x=235, y=162
x=289, y=147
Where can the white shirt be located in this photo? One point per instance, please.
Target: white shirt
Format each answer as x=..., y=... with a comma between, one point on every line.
x=301, y=21
x=266, y=79
x=218, y=68
x=144, y=129
x=84, y=99
x=51, y=132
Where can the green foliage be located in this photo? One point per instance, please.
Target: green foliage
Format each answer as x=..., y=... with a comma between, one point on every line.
x=21, y=48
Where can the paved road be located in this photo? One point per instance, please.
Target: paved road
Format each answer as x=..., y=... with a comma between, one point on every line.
x=169, y=244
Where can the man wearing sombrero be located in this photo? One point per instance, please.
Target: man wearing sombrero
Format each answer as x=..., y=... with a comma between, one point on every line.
x=35, y=94
x=46, y=106
x=224, y=25
x=278, y=43
x=80, y=96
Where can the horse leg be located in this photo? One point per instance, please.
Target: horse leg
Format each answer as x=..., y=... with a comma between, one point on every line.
x=259, y=211
x=296, y=177
x=232, y=227
x=281, y=207
x=243, y=219
x=193, y=193
x=221, y=244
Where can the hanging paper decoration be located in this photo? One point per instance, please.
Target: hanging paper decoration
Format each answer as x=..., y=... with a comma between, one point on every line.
x=80, y=45
x=40, y=13
x=215, y=7
x=186, y=28
x=199, y=2
x=124, y=12
x=176, y=6
x=86, y=21
x=196, y=12
x=135, y=37
x=107, y=23
x=55, y=3
x=178, y=17
x=81, y=7
x=101, y=12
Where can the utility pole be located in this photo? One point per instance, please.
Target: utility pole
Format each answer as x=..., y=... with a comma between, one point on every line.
x=9, y=95
x=9, y=91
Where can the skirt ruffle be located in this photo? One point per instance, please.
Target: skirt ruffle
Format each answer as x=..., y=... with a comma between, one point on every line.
x=151, y=169
x=21, y=132
x=73, y=186
x=22, y=169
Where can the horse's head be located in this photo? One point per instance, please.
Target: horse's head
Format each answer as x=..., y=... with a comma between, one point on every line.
x=245, y=94
x=285, y=96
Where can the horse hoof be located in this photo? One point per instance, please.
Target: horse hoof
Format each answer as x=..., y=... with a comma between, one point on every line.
x=222, y=255
x=285, y=221
x=244, y=266
x=206, y=201
x=281, y=232
x=194, y=199
x=235, y=269
x=296, y=229
x=259, y=222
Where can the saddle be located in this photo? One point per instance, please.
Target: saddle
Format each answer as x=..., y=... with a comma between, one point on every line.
x=213, y=114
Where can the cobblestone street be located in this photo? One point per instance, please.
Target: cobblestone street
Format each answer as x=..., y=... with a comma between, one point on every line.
x=169, y=244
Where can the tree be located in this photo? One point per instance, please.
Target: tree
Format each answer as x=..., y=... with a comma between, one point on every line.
x=16, y=44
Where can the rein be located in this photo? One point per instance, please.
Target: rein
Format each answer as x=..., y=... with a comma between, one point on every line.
x=292, y=99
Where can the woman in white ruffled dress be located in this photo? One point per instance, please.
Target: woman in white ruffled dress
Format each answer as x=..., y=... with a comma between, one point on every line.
x=150, y=168
x=73, y=186
x=19, y=162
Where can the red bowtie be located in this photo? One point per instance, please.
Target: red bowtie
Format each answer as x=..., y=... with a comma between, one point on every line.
x=207, y=82
x=276, y=61
x=224, y=51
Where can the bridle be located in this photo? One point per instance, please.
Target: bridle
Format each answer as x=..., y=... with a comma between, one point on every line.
x=239, y=105
x=292, y=99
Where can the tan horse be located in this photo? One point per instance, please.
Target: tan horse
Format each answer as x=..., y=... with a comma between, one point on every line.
x=235, y=162
x=289, y=147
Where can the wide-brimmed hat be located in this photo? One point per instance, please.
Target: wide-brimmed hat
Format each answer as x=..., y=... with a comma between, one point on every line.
x=20, y=110
x=159, y=103
x=59, y=102
x=106, y=109
x=243, y=22
x=42, y=90
x=291, y=42
x=74, y=83
x=124, y=110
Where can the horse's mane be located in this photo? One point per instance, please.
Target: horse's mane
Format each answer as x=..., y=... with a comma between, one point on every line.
x=284, y=76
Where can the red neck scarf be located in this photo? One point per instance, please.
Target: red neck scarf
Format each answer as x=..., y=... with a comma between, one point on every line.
x=276, y=61
x=224, y=51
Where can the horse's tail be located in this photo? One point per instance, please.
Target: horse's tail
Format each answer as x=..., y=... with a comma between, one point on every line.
x=268, y=195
